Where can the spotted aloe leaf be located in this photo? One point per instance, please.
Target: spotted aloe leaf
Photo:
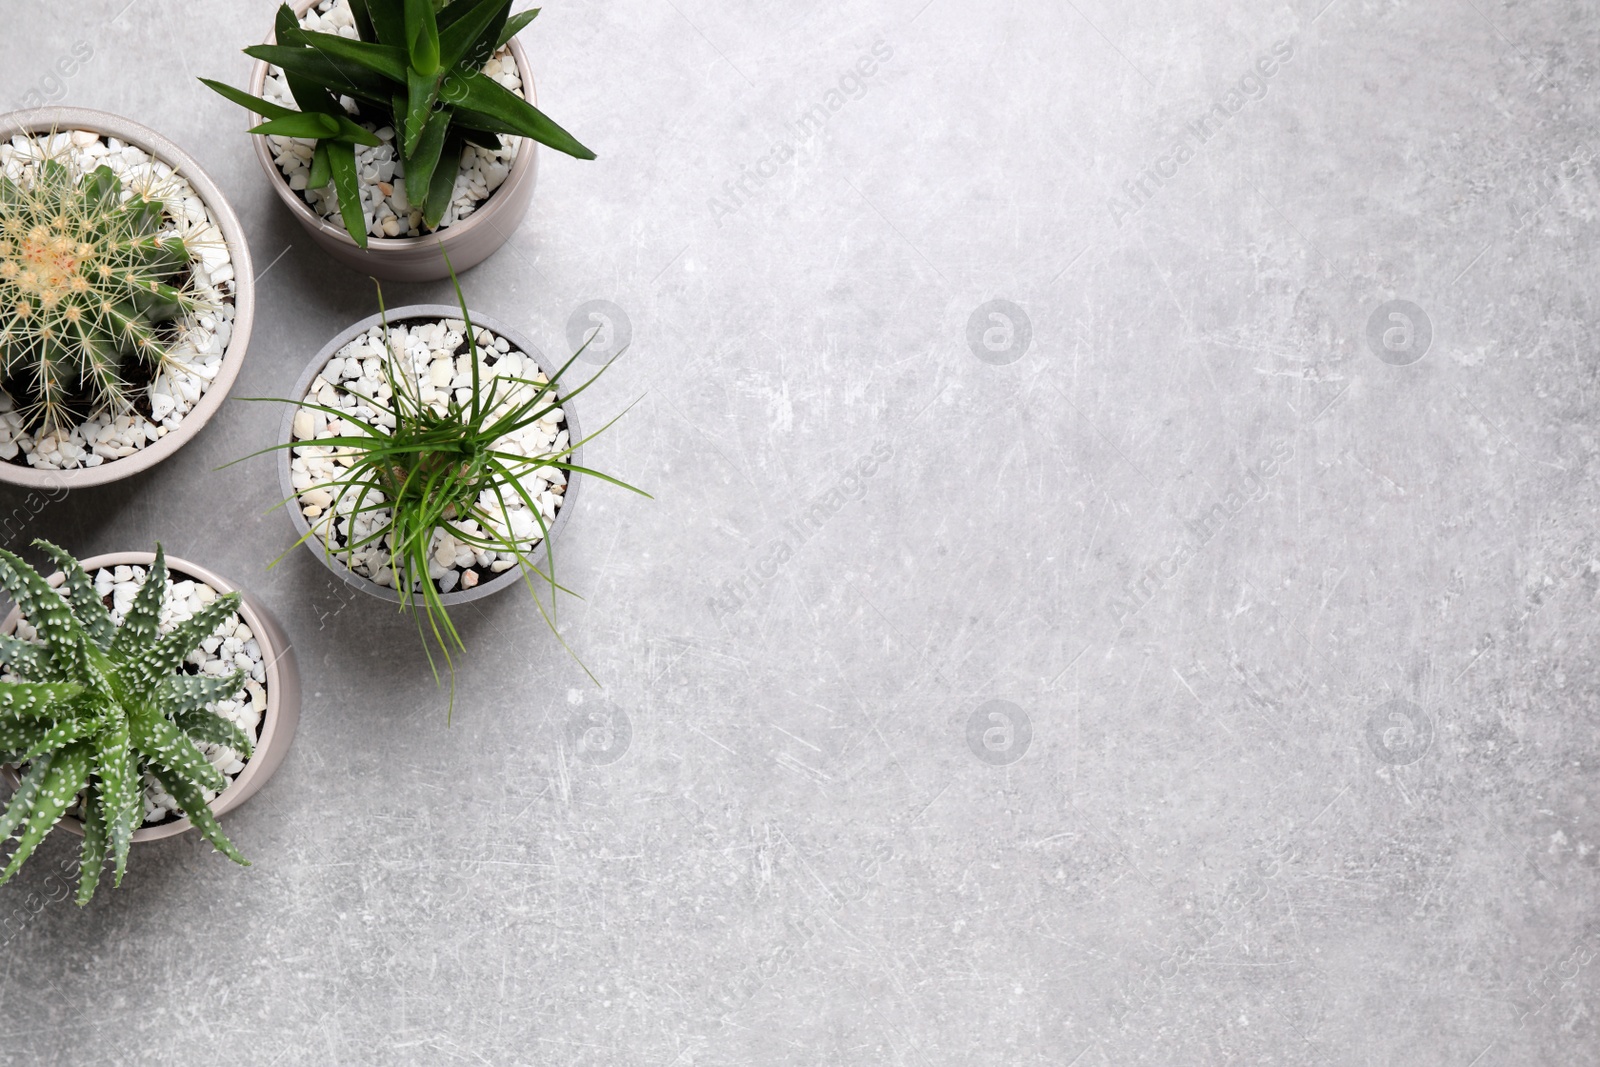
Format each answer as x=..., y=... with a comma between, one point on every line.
x=97, y=704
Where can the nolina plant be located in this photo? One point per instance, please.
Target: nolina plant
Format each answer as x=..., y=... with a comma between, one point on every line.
x=87, y=281
x=418, y=68
x=429, y=473
x=97, y=705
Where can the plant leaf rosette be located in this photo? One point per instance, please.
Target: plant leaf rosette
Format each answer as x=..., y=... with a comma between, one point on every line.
x=490, y=200
x=129, y=298
x=429, y=344
x=248, y=640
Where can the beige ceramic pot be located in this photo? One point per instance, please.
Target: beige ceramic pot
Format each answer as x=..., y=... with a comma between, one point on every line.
x=283, y=690
x=415, y=259
x=63, y=119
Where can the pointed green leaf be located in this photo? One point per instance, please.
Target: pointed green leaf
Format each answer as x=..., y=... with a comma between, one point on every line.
x=35, y=700
x=91, y=611
x=60, y=736
x=388, y=20
x=308, y=124
x=364, y=27
x=264, y=108
x=194, y=806
x=207, y=726
x=422, y=36
x=515, y=25
x=43, y=608
x=422, y=92
x=321, y=171
x=499, y=109
x=18, y=735
x=347, y=184
x=421, y=164
x=92, y=857
x=308, y=93
x=162, y=742
x=68, y=773
x=27, y=660
x=441, y=186
x=352, y=132
x=138, y=629
x=468, y=23
x=382, y=59
x=23, y=799
x=120, y=794
x=339, y=78
x=187, y=692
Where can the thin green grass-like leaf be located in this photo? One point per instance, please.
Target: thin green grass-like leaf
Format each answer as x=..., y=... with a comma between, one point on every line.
x=116, y=766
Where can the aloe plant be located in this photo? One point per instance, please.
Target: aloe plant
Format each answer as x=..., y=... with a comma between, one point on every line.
x=97, y=704
x=416, y=68
x=86, y=279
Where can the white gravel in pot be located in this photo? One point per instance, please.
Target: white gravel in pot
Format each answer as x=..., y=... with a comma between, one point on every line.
x=435, y=352
x=203, y=339
x=384, y=203
x=231, y=647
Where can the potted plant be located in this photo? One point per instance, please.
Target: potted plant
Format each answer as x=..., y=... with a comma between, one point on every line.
x=430, y=457
x=126, y=298
x=400, y=130
x=137, y=700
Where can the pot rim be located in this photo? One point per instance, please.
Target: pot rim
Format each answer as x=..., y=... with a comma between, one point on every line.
x=278, y=662
x=109, y=124
x=382, y=247
x=424, y=313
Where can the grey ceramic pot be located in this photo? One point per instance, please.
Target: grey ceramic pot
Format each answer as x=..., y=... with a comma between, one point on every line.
x=416, y=259
x=64, y=119
x=400, y=316
x=279, y=720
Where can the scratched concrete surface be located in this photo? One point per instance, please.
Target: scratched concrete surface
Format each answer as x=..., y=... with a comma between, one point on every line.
x=1119, y=588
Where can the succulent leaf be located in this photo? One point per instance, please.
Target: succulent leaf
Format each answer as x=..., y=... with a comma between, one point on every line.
x=163, y=743
x=91, y=720
x=23, y=799
x=194, y=806
x=93, y=856
x=68, y=774
x=85, y=602
x=139, y=627
x=208, y=726
x=27, y=660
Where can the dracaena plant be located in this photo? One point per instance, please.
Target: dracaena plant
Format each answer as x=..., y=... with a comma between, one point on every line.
x=432, y=471
x=87, y=280
x=95, y=705
x=415, y=68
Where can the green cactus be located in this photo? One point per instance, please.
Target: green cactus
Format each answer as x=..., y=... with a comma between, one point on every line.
x=98, y=705
x=86, y=281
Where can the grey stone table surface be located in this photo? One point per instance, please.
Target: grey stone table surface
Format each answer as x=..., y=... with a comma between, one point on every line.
x=1119, y=589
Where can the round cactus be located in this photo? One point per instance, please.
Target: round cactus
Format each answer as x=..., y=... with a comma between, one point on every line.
x=87, y=282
